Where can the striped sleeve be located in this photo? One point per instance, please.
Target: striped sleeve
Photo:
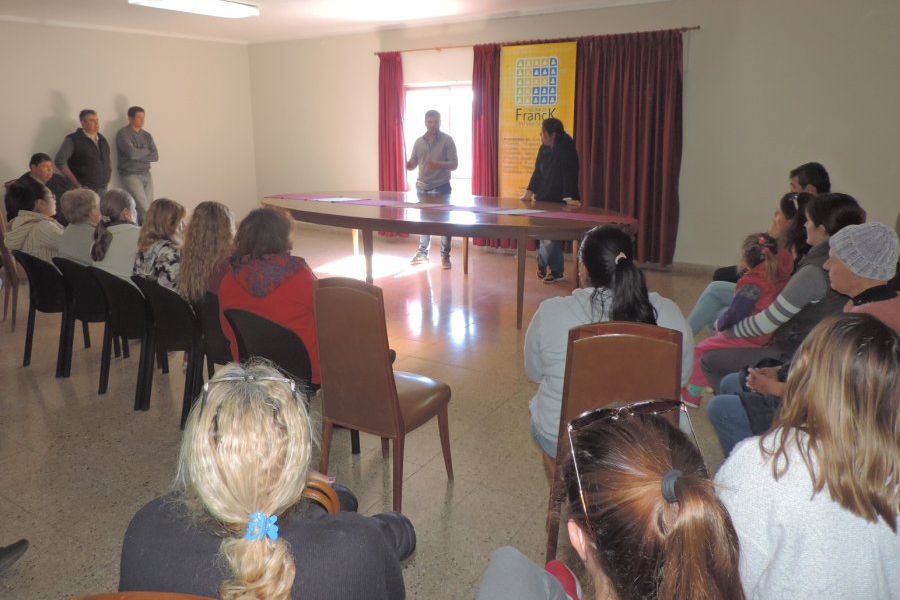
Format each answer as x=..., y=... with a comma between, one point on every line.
x=809, y=284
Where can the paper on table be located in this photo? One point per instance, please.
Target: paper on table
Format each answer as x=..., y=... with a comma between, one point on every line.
x=518, y=211
x=336, y=199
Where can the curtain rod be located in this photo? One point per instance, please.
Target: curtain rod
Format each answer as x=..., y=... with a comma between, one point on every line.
x=522, y=43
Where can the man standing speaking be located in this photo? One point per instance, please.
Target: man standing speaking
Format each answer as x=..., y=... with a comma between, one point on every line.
x=435, y=155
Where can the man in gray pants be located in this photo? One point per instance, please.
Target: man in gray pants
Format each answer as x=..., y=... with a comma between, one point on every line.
x=136, y=150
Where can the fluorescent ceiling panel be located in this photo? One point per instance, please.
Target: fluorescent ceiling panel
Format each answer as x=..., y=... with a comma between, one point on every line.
x=229, y=9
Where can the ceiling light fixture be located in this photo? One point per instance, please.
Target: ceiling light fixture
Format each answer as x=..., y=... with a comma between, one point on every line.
x=229, y=9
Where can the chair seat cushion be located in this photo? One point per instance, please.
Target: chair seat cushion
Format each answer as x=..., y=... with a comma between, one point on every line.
x=420, y=397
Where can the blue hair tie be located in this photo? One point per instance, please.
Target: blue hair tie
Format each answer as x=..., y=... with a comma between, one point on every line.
x=260, y=526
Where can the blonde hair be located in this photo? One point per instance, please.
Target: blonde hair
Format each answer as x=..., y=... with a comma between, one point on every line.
x=843, y=393
x=207, y=242
x=247, y=450
x=78, y=204
x=161, y=223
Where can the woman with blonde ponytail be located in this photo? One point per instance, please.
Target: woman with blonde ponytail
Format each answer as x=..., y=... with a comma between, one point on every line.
x=236, y=526
x=642, y=515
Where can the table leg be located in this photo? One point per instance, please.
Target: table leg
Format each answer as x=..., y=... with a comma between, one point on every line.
x=368, y=247
x=520, y=280
x=576, y=258
x=465, y=256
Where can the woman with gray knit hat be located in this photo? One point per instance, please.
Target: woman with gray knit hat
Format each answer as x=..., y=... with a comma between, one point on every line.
x=863, y=258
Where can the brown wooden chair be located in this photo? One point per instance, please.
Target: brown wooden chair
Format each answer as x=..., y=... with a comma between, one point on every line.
x=360, y=389
x=12, y=275
x=142, y=596
x=611, y=363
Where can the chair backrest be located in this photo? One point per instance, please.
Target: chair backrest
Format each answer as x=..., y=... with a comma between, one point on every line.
x=83, y=289
x=618, y=362
x=258, y=336
x=215, y=344
x=46, y=287
x=354, y=360
x=6, y=258
x=177, y=327
x=142, y=596
x=128, y=311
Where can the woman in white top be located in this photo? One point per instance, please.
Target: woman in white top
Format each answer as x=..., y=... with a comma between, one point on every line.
x=615, y=291
x=81, y=207
x=815, y=500
x=116, y=236
x=34, y=231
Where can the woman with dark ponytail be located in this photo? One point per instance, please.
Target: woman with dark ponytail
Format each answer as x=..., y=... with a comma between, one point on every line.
x=615, y=291
x=642, y=515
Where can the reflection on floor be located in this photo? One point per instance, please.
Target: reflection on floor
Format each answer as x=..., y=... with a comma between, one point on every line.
x=75, y=466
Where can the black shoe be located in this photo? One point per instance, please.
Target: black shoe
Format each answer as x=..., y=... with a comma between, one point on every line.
x=10, y=554
x=552, y=278
x=541, y=272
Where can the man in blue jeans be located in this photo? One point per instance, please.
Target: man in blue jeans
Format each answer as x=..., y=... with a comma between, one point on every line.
x=435, y=155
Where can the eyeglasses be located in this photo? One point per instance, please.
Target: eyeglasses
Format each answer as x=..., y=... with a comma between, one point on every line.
x=248, y=379
x=591, y=417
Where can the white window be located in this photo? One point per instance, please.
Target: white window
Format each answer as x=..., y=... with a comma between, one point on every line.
x=454, y=102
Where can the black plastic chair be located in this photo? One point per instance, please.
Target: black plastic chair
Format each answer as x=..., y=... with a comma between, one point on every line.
x=86, y=303
x=176, y=327
x=216, y=347
x=258, y=336
x=128, y=317
x=46, y=294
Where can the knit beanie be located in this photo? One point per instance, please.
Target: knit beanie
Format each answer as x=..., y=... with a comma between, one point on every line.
x=869, y=250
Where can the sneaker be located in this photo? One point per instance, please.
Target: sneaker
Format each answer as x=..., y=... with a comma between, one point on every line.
x=552, y=278
x=541, y=272
x=566, y=579
x=445, y=262
x=419, y=258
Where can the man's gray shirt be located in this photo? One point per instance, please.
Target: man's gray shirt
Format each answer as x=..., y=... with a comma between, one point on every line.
x=136, y=150
x=441, y=149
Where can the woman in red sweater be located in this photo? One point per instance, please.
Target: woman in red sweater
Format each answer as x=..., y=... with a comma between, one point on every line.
x=266, y=280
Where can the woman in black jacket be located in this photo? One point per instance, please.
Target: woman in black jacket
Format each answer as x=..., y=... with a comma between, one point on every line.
x=555, y=179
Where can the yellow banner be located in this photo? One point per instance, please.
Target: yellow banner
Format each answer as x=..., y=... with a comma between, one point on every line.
x=536, y=82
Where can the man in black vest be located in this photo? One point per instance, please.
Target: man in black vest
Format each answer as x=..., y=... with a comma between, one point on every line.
x=84, y=154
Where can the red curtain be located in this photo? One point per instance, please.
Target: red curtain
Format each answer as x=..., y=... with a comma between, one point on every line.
x=391, y=105
x=628, y=131
x=486, y=129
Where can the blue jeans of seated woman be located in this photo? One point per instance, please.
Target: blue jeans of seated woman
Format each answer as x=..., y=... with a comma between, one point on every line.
x=727, y=414
x=550, y=254
x=712, y=302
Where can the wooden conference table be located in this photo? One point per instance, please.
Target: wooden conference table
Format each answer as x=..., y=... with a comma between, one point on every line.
x=458, y=214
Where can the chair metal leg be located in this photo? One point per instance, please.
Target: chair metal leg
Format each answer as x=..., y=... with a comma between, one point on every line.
x=66, y=319
x=210, y=368
x=193, y=372
x=354, y=441
x=86, y=332
x=126, y=351
x=398, y=471
x=117, y=349
x=68, y=343
x=444, y=429
x=104, y=358
x=29, y=335
x=385, y=447
x=327, y=430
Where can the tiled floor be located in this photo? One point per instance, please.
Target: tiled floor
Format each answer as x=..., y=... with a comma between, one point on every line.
x=75, y=466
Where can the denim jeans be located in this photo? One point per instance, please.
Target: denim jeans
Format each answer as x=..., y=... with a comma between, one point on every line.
x=727, y=415
x=425, y=240
x=140, y=186
x=712, y=302
x=550, y=254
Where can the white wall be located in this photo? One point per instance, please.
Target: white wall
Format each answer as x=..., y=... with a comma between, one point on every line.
x=196, y=95
x=769, y=84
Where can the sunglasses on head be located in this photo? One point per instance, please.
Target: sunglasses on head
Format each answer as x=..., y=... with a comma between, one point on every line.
x=618, y=413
